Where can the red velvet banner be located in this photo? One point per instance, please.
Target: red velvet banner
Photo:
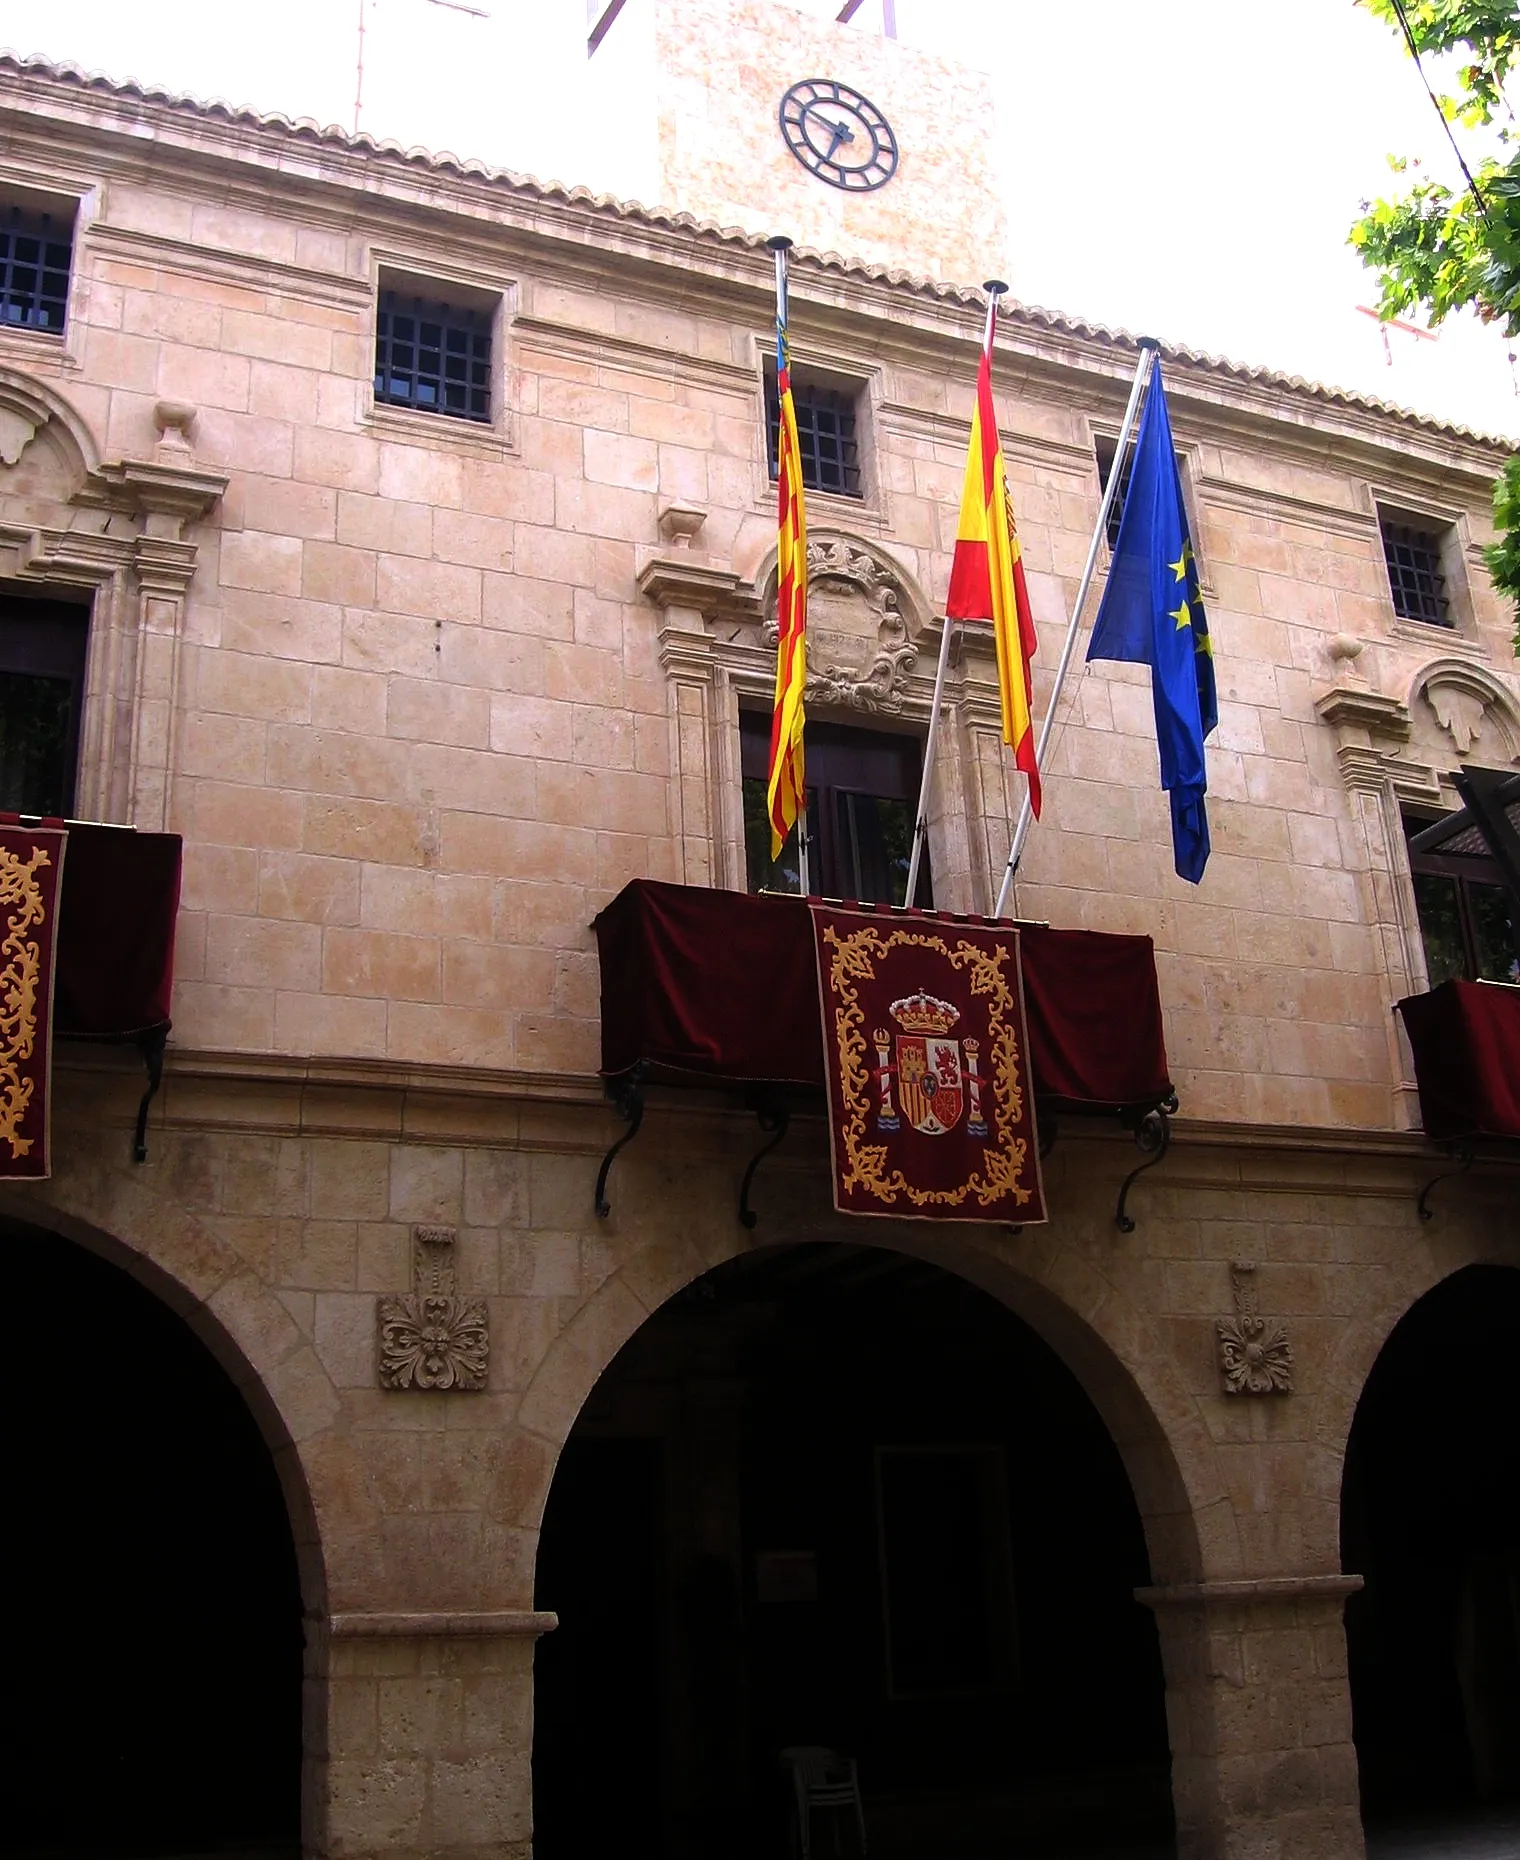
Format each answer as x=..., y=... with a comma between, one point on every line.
x=931, y=1115
x=704, y=986
x=31, y=872
x=1466, y=1041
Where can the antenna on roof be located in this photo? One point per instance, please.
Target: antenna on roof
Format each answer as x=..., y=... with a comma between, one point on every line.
x=888, y=16
x=454, y=6
x=599, y=17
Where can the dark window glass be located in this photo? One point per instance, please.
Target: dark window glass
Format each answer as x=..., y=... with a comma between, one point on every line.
x=862, y=802
x=1439, y=904
x=42, y=648
x=826, y=435
x=1105, y=449
x=1414, y=573
x=1469, y=922
x=1495, y=933
x=433, y=357
x=35, y=249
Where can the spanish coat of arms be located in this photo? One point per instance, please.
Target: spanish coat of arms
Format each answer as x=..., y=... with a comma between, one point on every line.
x=931, y=1114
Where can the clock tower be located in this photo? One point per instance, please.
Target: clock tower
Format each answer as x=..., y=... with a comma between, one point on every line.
x=754, y=114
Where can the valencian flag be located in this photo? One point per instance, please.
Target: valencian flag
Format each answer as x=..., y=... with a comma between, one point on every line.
x=1152, y=615
x=987, y=572
x=785, y=790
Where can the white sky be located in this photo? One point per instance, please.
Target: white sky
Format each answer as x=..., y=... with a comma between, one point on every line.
x=1186, y=169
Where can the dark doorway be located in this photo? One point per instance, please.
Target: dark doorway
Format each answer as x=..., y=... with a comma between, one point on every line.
x=153, y=1650
x=1431, y=1519
x=829, y=1496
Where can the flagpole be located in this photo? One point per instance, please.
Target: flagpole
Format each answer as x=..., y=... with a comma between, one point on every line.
x=779, y=246
x=1148, y=349
x=994, y=287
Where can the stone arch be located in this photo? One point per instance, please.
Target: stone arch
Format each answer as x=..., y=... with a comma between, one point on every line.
x=274, y=1370
x=239, y=1320
x=29, y=407
x=1110, y=1347
x=1455, y=705
x=1428, y=1515
x=1360, y=1345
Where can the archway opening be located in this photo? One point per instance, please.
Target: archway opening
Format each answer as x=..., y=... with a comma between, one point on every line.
x=154, y=1644
x=1431, y=1519
x=829, y=1496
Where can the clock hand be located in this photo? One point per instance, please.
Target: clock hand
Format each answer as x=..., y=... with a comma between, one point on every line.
x=842, y=132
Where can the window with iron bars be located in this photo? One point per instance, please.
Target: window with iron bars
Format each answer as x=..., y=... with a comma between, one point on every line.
x=433, y=357
x=1105, y=448
x=35, y=251
x=827, y=435
x=1413, y=555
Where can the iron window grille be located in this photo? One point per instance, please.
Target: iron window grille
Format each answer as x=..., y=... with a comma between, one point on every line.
x=433, y=357
x=1105, y=449
x=827, y=435
x=1413, y=556
x=35, y=252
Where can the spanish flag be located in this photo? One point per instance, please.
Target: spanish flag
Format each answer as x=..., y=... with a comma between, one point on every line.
x=987, y=573
x=786, y=794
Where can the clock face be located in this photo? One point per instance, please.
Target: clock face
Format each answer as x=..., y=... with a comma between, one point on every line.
x=838, y=135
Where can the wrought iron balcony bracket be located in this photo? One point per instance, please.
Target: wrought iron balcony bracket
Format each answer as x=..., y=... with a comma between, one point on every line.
x=627, y=1094
x=151, y=1046
x=1153, y=1138
x=1462, y=1154
x=775, y=1119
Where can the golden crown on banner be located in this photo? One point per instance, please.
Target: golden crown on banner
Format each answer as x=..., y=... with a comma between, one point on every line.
x=923, y=1013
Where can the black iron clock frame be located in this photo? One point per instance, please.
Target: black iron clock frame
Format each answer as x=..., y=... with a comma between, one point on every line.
x=821, y=119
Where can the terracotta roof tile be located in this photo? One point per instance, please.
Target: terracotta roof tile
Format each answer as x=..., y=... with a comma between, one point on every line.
x=443, y=162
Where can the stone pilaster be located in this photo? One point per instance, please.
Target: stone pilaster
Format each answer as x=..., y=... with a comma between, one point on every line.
x=1259, y=1710
x=1371, y=732
x=430, y=1736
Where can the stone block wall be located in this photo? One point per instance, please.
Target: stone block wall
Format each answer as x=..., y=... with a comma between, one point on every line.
x=424, y=718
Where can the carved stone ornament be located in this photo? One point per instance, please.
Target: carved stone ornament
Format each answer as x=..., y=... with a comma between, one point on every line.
x=1255, y=1357
x=1471, y=707
x=431, y=1338
x=859, y=650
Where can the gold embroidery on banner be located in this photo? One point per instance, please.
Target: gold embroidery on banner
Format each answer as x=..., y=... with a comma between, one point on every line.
x=854, y=959
x=21, y=907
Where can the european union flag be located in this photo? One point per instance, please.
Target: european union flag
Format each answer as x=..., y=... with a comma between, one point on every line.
x=1152, y=614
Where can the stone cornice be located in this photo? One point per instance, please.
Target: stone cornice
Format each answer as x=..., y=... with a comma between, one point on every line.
x=1354, y=708
x=1251, y=1592
x=494, y=1624
x=275, y=1095
x=681, y=578
x=182, y=493
x=206, y=262
x=1257, y=501
x=576, y=343
x=232, y=156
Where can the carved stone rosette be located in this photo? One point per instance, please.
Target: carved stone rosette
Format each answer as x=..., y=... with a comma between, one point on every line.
x=1255, y=1356
x=430, y=1338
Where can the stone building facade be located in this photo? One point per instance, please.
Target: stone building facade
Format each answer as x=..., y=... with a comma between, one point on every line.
x=423, y=693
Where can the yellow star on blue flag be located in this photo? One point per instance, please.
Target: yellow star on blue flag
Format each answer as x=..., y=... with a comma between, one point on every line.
x=1141, y=621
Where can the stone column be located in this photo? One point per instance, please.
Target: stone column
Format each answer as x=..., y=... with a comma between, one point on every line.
x=1259, y=1711
x=430, y=1737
